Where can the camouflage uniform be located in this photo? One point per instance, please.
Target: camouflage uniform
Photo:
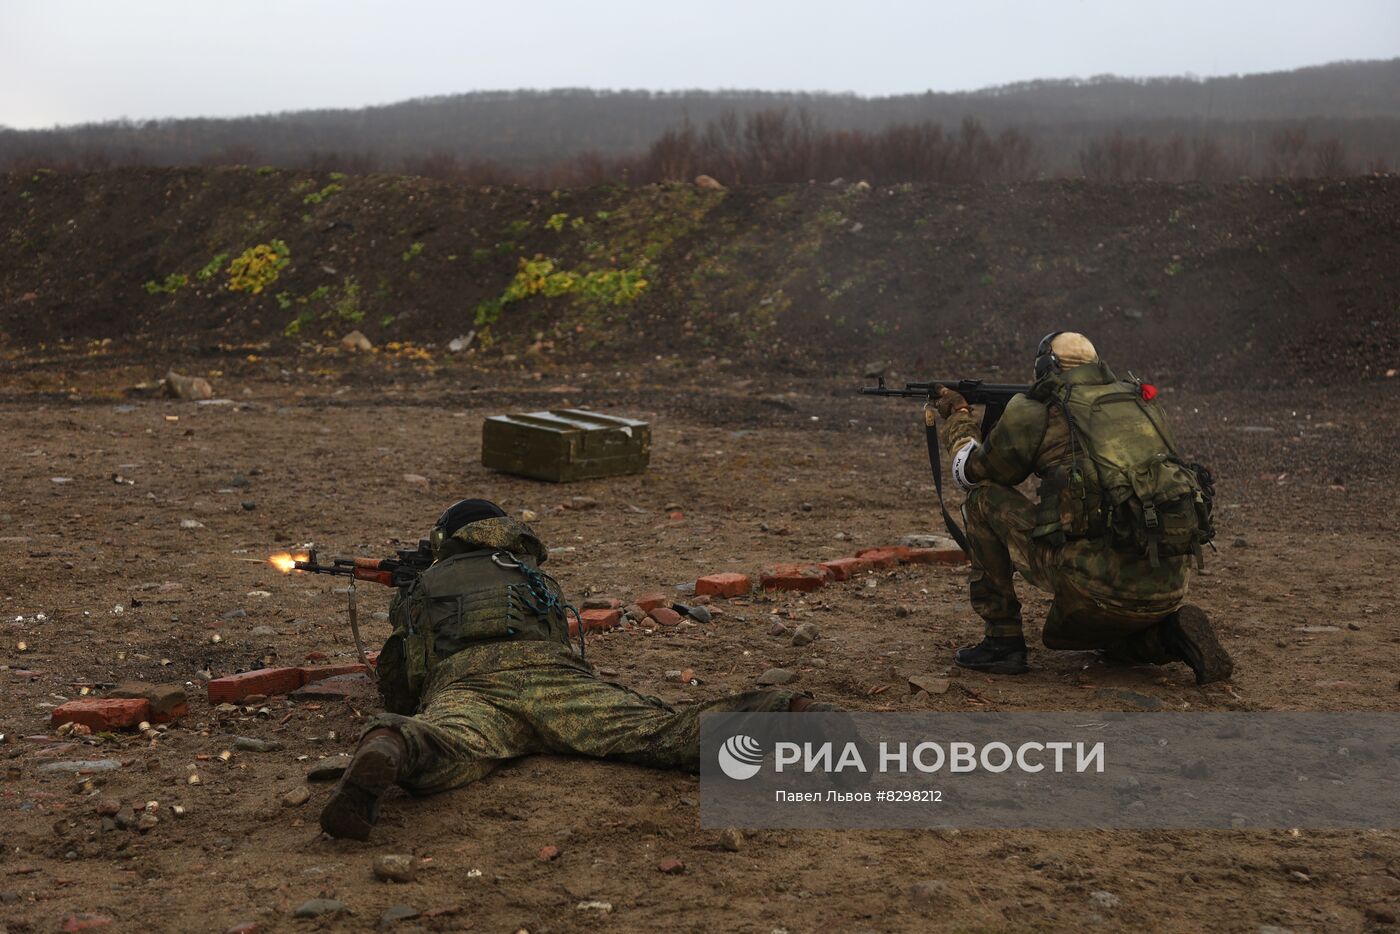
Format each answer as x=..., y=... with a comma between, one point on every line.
x=497, y=699
x=1104, y=598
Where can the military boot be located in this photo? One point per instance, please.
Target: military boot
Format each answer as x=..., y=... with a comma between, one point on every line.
x=998, y=655
x=1188, y=635
x=354, y=804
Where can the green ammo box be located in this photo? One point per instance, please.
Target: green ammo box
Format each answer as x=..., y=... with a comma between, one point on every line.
x=565, y=444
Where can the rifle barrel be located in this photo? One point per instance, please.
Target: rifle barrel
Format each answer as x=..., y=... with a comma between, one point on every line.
x=974, y=389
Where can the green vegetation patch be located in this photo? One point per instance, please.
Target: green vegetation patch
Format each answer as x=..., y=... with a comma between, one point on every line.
x=211, y=269
x=169, y=286
x=541, y=276
x=316, y=197
x=258, y=267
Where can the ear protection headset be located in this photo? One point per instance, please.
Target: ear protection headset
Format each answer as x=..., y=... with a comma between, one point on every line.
x=1045, y=360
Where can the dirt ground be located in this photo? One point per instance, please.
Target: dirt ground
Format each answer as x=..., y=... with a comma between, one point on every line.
x=763, y=473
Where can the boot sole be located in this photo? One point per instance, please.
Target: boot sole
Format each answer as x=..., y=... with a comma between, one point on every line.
x=1194, y=638
x=1007, y=666
x=351, y=810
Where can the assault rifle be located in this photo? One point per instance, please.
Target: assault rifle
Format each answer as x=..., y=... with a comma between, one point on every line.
x=993, y=396
x=399, y=571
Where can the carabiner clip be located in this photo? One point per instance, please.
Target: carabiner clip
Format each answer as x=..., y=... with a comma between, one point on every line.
x=508, y=562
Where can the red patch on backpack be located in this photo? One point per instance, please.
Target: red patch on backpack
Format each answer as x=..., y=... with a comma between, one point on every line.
x=1149, y=392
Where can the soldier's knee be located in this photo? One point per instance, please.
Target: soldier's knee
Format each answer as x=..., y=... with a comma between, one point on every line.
x=984, y=499
x=976, y=498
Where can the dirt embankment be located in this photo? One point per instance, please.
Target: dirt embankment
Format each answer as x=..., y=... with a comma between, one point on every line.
x=1252, y=282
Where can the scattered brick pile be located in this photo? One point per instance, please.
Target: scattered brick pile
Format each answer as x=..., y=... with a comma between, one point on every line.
x=125, y=708
x=597, y=615
x=808, y=577
x=602, y=614
x=269, y=681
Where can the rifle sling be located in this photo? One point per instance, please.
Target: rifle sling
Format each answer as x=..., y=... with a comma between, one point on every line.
x=935, y=462
x=360, y=643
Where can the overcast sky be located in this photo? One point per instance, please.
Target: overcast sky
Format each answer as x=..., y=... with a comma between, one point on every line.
x=67, y=61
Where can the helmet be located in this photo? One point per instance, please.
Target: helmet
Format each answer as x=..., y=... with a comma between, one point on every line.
x=463, y=512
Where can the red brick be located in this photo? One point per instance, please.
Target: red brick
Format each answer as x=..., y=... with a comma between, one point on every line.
x=804, y=577
x=724, y=585
x=351, y=687
x=548, y=853
x=937, y=556
x=311, y=673
x=846, y=568
x=885, y=557
x=165, y=698
x=265, y=681
x=665, y=616
x=899, y=551
x=171, y=715
x=650, y=601
x=102, y=713
x=596, y=621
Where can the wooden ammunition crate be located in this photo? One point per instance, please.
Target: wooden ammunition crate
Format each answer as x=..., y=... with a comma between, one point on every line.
x=565, y=444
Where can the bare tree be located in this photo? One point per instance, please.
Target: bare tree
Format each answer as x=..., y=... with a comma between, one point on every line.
x=1330, y=158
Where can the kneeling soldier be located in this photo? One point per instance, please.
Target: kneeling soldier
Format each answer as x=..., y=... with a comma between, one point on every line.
x=479, y=670
x=1119, y=519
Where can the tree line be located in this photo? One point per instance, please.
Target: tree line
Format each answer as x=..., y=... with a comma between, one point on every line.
x=1331, y=120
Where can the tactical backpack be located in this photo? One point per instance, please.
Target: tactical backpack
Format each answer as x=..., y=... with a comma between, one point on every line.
x=465, y=600
x=1125, y=481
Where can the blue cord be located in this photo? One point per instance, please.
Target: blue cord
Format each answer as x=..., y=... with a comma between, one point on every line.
x=546, y=601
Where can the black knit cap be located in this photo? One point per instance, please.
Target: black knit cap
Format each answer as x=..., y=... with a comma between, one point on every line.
x=464, y=512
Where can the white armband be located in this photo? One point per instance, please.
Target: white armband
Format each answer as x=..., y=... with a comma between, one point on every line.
x=960, y=465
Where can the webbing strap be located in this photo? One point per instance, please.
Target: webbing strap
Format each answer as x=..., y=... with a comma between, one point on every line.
x=359, y=642
x=936, y=464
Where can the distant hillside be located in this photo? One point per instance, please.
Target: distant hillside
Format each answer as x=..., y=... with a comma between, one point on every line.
x=1356, y=102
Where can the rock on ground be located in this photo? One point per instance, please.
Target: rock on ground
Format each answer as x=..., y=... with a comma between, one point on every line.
x=395, y=867
x=319, y=908
x=193, y=388
x=356, y=341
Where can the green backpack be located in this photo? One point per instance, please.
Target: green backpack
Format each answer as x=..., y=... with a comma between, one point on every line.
x=1125, y=481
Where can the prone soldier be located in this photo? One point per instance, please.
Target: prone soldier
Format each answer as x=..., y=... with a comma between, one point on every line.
x=479, y=670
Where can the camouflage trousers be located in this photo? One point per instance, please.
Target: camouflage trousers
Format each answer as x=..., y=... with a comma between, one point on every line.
x=1102, y=600
x=469, y=724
